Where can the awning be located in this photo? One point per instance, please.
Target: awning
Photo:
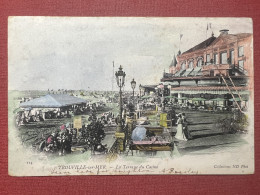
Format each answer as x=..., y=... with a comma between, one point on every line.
x=145, y=97
x=17, y=110
x=53, y=101
x=238, y=99
x=179, y=73
x=198, y=99
x=242, y=90
x=182, y=98
x=218, y=99
x=187, y=72
x=196, y=72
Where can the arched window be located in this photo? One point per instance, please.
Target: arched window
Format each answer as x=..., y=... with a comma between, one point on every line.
x=191, y=64
x=183, y=66
x=199, y=63
x=223, y=58
x=215, y=58
x=208, y=59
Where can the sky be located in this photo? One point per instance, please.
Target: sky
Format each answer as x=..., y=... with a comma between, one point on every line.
x=78, y=52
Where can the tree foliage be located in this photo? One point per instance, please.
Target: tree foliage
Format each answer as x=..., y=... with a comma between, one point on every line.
x=95, y=131
x=238, y=123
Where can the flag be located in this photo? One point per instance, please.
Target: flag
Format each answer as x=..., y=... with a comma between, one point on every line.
x=181, y=36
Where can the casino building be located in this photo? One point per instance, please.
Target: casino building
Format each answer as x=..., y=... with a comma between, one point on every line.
x=215, y=72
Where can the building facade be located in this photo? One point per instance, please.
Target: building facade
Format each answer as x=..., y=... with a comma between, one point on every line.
x=219, y=68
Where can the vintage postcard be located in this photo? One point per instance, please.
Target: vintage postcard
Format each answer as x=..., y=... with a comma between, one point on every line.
x=130, y=96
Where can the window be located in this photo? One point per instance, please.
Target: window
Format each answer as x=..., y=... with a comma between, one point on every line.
x=240, y=51
x=215, y=58
x=199, y=63
x=183, y=66
x=211, y=73
x=191, y=64
x=241, y=64
x=208, y=58
x=223, y=58
x=231, y=57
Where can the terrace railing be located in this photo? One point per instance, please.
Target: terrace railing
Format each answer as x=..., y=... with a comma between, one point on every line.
x=239, y=70
x=113, y=152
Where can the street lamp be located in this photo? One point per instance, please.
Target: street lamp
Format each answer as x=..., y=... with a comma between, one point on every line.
x=156, y=91
x=161, y=86
x=133, y=84
x=120, y=79
x=169, y=88
x=140, y=88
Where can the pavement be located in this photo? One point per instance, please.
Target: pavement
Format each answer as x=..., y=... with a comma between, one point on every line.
x=202, y=126
x=207, y=139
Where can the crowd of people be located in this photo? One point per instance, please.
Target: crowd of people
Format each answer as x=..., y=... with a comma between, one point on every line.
x=88, y=136
x=166, y=105
x=59, y=141
x=27, y=115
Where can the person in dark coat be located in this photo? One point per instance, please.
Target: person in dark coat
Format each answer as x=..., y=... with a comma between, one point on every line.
x=185, y=127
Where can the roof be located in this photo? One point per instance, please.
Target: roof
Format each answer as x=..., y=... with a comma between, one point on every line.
x=202, y=45
x=213, y=40
x=53, y=101
x=148, y=86
x=174, y=61
x=232, y=37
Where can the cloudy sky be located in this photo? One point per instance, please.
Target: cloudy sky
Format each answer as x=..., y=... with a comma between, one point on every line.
x=78, y=52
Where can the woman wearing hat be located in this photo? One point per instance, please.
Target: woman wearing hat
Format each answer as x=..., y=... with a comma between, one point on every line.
x=180, y=134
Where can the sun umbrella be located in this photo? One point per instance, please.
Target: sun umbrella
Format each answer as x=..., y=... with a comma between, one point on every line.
x=238, y=99
x=198, y=99
x=17, y=110
x=182, y=98
x=67, y=125
x=218, y=99
x=139, y=133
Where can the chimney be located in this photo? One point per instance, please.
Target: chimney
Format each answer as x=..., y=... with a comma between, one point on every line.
x=224, y=32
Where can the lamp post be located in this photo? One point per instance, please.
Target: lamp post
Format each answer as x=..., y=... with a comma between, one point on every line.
x=156, y=91
x=169, y=89
x=133, y=84
x=120, y=79
x=140, y=88
x=161, y=86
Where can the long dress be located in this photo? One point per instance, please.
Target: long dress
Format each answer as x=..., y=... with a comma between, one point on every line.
x=180, y=134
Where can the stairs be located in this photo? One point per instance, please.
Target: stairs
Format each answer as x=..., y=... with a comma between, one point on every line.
x=221, y=75
x=231, y=91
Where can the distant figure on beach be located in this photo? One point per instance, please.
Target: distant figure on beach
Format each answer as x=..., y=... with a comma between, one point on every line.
x=180, y=133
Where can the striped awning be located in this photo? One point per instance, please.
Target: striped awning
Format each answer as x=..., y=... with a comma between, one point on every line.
x=187, y=72
x=210, y=90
